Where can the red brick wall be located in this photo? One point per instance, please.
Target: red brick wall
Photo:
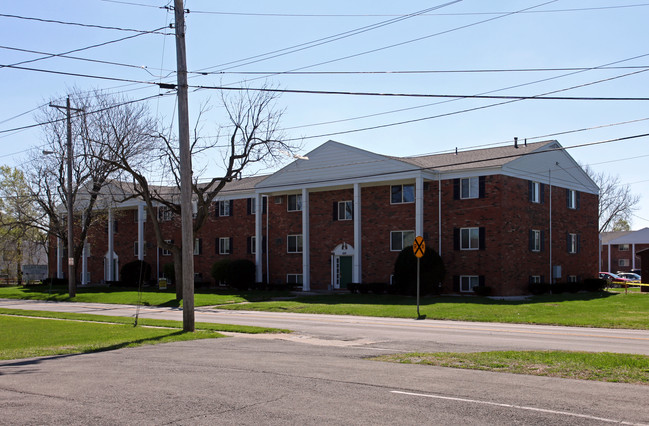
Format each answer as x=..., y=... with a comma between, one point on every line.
x=617, y=254
x=505, y=212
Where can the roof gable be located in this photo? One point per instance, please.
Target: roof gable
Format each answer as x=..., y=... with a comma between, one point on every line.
x=631, y=237
x=333, y=162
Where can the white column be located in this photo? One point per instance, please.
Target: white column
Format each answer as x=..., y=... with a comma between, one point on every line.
x=357, y=271
x=140, y=232
x=306, y=266
x=419, y=206
x=59, y=258
x=633, y=256
x=259, y=209
x=111, y=246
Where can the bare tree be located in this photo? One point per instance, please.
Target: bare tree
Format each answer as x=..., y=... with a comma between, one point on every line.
x=616, y=201
x=252, y=136
x=19, y=239
x=105, y=120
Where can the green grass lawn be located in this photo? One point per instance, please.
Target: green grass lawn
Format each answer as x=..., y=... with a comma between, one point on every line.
x=22, y=337
x=26, y=334
x=605, y=366
x=605, y=309
x=129, y=296
x=609, y=309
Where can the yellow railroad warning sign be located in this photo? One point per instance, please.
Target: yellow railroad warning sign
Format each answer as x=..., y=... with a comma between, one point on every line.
x=419, y=247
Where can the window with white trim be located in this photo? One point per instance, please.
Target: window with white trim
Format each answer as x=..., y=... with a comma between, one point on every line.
x=623, y=247
x=468, y=282
x=572, y=199
x=345, y=210
x=401, y=239
x=469, y=188
x=624, y=262
x=572, y=278
x=400, y=194
x=198, y=246
x=166, y=252
x=535, y=195
x=294, y=243
x=469, y=238
x=535, y=244
x=224, y=207
x=253, y=245
x=294, y=203
x=165, y=214
x=224, y=245
x=535, y=279
x=573, y=243
x=294, y=279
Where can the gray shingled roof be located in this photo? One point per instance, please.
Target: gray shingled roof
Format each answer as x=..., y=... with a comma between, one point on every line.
x=477, y=158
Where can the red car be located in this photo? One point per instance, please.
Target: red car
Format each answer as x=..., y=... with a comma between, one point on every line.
x=613, y=278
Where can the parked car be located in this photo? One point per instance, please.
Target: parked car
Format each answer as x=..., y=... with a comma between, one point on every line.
x=635, y=278
x=613, y=278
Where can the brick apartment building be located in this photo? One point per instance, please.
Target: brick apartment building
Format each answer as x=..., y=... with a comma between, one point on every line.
x=619, y=250
x=503, y=217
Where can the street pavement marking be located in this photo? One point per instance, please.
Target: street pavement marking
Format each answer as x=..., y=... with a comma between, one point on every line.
x=519, y=407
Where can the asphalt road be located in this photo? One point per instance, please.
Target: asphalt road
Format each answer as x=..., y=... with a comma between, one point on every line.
x=321, y=375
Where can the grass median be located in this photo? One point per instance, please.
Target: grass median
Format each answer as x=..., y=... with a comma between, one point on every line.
x=607, y=309
x=604, y=366
x=25, y=334
x=604, y=309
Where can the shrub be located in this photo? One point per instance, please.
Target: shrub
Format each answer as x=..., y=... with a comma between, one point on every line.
x=364, y=288
x=539, y=288
x=135, y=273
x=241, y=274
x=594, y=284
x=219, y=271
x=482, y=290
x=432, y=272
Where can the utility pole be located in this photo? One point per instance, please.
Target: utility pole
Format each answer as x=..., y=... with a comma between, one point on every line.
x=72, y=286
x=185, y=171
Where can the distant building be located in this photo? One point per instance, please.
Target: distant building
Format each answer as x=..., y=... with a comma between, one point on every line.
x=502, y=217
x=619, y=249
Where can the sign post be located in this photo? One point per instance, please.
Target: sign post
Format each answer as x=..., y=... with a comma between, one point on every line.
x=419, y=248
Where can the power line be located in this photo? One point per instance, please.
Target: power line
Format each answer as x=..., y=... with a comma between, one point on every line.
x=62, y=55
x=411, y=40
x=370, y=15
x=324, y=40
x=80, y=49
x=103, y=27
x=459, y=71
x=84, y=113
x=429, y=95
x=482, y=93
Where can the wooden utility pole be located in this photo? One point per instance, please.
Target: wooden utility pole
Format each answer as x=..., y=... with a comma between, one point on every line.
x=185, y=171
x=72, y=285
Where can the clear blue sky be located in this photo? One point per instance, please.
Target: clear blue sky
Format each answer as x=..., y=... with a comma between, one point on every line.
x=462, y=36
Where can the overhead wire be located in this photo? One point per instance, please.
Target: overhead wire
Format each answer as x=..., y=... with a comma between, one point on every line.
x=53, y=21
x=365, y=15
x=321, y=41
x=458, y=28
x=80, y=49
